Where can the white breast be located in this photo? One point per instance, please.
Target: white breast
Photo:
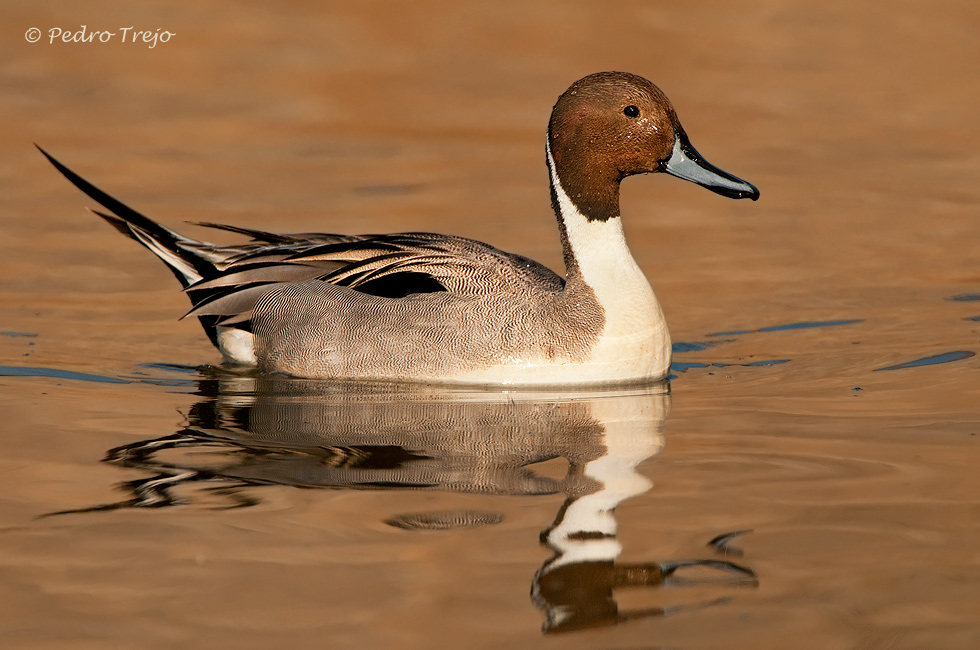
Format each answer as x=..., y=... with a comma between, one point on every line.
x=634, y=343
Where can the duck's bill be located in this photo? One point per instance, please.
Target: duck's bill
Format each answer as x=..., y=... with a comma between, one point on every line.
x=685, y=162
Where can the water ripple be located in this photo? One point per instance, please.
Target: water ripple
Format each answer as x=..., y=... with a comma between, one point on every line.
x=791, y=326
x=17, y=371
x=945, y=357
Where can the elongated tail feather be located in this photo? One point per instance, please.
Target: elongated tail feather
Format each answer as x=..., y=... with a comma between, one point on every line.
x=187, y=265
x=165, y=243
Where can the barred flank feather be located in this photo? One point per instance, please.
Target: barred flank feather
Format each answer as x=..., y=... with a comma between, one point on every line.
x=224, y=282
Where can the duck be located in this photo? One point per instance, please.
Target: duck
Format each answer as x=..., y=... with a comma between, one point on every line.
x=434, y=308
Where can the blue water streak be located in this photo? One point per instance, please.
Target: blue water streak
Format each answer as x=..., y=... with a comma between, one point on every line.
x=16, y=371
x=945, y=357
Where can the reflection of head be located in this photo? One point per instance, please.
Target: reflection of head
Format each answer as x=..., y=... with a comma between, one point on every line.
x=574, y=588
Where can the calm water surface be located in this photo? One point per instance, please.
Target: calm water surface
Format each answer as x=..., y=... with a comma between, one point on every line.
x=806, y=479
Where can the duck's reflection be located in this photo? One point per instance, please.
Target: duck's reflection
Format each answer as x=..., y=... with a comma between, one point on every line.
x=267, y=431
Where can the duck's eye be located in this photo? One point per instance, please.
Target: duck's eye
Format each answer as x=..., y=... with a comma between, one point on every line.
x=631, y=111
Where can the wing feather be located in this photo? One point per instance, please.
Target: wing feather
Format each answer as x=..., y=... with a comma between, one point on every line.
x=384, y=265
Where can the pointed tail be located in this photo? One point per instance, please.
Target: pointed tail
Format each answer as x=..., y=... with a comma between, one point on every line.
x=188, y=265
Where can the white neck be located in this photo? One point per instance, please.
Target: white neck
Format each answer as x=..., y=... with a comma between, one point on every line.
x=599, y=247
x=635, y=333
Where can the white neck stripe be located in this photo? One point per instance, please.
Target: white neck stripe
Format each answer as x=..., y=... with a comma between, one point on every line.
x=635, y=334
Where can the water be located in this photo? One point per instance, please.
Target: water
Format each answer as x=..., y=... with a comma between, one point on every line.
x=822, y=403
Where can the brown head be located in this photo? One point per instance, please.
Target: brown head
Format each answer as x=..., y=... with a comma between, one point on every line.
x=610, y=125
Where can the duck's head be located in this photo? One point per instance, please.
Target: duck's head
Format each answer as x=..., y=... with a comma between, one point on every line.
x=610, y=125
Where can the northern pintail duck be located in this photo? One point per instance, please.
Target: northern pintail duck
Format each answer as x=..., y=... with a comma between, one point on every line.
x=440, y=308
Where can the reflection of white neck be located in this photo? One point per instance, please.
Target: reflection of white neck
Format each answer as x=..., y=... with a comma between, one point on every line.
x=632, y=435
x=634, y=340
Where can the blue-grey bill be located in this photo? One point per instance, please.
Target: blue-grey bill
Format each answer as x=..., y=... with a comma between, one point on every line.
x=685, y=162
